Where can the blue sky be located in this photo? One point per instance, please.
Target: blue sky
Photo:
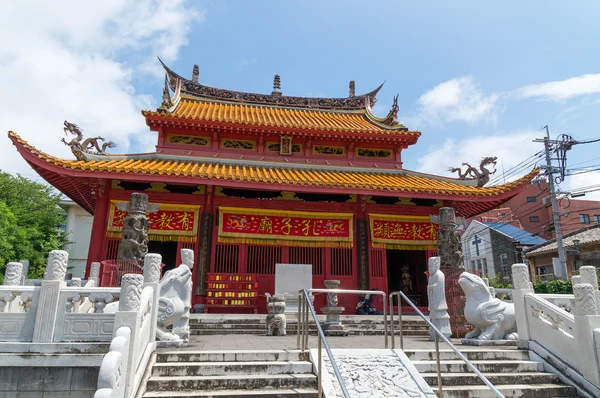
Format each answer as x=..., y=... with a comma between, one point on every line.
x=477, y=78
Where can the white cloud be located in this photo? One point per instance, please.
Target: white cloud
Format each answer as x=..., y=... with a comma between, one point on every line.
x=510, y=148
x=457, y=99
x=562, y=89
x=584, y=182
x=76, y=61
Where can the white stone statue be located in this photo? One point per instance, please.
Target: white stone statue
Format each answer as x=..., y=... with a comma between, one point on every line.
x=175, y=300
x=436, y=294
x=493, y=318
x=276, y=320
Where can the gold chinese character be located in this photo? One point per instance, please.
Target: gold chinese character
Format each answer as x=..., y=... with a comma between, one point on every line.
x=306, y=228
x=266, y=225
x=315, y=232
x=184, y=219
x=286, y=227
x=378, y=229
x=415, y=231
x=119, y=217
x=398, y=230
x=164, y=221
x=432, y=231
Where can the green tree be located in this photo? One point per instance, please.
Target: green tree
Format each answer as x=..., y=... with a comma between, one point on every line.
x=30, y=219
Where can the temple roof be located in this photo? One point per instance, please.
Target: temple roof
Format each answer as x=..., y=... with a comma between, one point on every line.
x=193, y=103
x=293, y=118
x=272, y=176
x=195, y=89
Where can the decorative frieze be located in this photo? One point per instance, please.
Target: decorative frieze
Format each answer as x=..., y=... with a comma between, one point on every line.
x=229, y=143
x=177, y=139
x=373, y=153
x=332, y=150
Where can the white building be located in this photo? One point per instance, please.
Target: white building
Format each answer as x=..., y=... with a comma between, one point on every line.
x=79, y=230
x=477, y=249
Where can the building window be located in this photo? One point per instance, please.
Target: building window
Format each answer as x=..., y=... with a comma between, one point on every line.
x=531, y=198
x=584, y=218
x=504, y=263
x=596, y=219
x=502, y=214
x=534, y=219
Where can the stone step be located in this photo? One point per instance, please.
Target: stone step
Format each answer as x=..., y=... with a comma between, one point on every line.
x=249, y=382
x=279, y=393
x=466, y=379
x=472, y=355
x=294, y=326
x=490, y=366
x=228, y=356
x=351, y=332
x=511, y=390
x=232, y=368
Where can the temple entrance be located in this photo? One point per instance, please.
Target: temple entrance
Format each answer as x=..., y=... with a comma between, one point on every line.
x=406, y=272
x=168, y=251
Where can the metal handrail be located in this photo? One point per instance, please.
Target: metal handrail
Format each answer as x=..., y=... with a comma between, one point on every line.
x=303, y=326
x=437, y=335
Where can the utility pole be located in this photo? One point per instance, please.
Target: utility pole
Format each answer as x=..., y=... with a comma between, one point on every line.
x=562, y=256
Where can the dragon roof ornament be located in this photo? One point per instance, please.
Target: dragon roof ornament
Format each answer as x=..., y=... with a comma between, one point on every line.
x=80, y=147
x=471, y=173
x=193, y=88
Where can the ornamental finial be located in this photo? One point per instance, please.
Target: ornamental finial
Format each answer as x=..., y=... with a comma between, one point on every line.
x=166, y=96
x=195, y=74
x=352, y=89
x=392, y=117
x=276, y=86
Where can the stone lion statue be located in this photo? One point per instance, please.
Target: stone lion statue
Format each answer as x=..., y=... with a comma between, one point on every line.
x=276, y=320
x=175, y=300
x=493, y=319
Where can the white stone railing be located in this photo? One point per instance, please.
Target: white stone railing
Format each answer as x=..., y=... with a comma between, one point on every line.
x=135, y=333
x=52, y=312
x=568, y=340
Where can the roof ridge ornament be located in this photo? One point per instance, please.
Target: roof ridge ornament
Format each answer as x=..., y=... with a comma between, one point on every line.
x=352, y=89
x=392, y=117
x=276, y=86
x=195, y=74
x=471, y=173
x=78, y=147
x=166, y=95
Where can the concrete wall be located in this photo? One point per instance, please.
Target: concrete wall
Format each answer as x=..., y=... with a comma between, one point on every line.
x=48, y=382
x=79, y=231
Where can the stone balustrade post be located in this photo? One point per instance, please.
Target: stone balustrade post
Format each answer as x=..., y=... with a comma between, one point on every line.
x=576, y=280
x=588, y=275
x=130, y=301
x=521, y=287
x=13, y=274
x=48, y=305
x=586, y=320
x=152, y=263
x=95, y=273
x=25, y=270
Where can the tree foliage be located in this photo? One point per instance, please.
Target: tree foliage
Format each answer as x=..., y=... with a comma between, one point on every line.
x=30, y=220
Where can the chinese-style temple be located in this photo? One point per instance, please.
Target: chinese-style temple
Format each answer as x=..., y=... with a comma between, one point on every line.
x=250, y=180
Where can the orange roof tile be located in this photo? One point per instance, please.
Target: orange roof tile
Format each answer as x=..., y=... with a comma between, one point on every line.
x=339, y=121
x=395, y=181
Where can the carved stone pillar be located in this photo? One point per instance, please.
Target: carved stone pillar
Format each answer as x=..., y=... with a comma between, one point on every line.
x=131, y=292
x=95, y=272
x=13, y=274
x=152, y=268
x=585, y=302
x=576, y=280
x=54, y=280
x=521, y=287
x=589, y=275
x=586, y=321
x=207, y=221
x=362, y=254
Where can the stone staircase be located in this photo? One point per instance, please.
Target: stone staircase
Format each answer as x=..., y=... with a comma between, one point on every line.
x=264, y=373
x=510, y=370
x=356, y=325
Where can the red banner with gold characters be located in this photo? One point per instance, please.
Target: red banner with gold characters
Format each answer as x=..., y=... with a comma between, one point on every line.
x=172, y=222
x=283, y=227
x=403, y=232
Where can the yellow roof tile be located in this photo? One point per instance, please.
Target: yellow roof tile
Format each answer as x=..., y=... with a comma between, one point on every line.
x=339, y=121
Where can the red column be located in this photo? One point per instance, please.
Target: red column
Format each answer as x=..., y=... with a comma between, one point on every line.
x=99, y=225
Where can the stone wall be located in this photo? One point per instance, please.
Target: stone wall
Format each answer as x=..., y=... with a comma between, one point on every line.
x=48, y=382
x=503, y=244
